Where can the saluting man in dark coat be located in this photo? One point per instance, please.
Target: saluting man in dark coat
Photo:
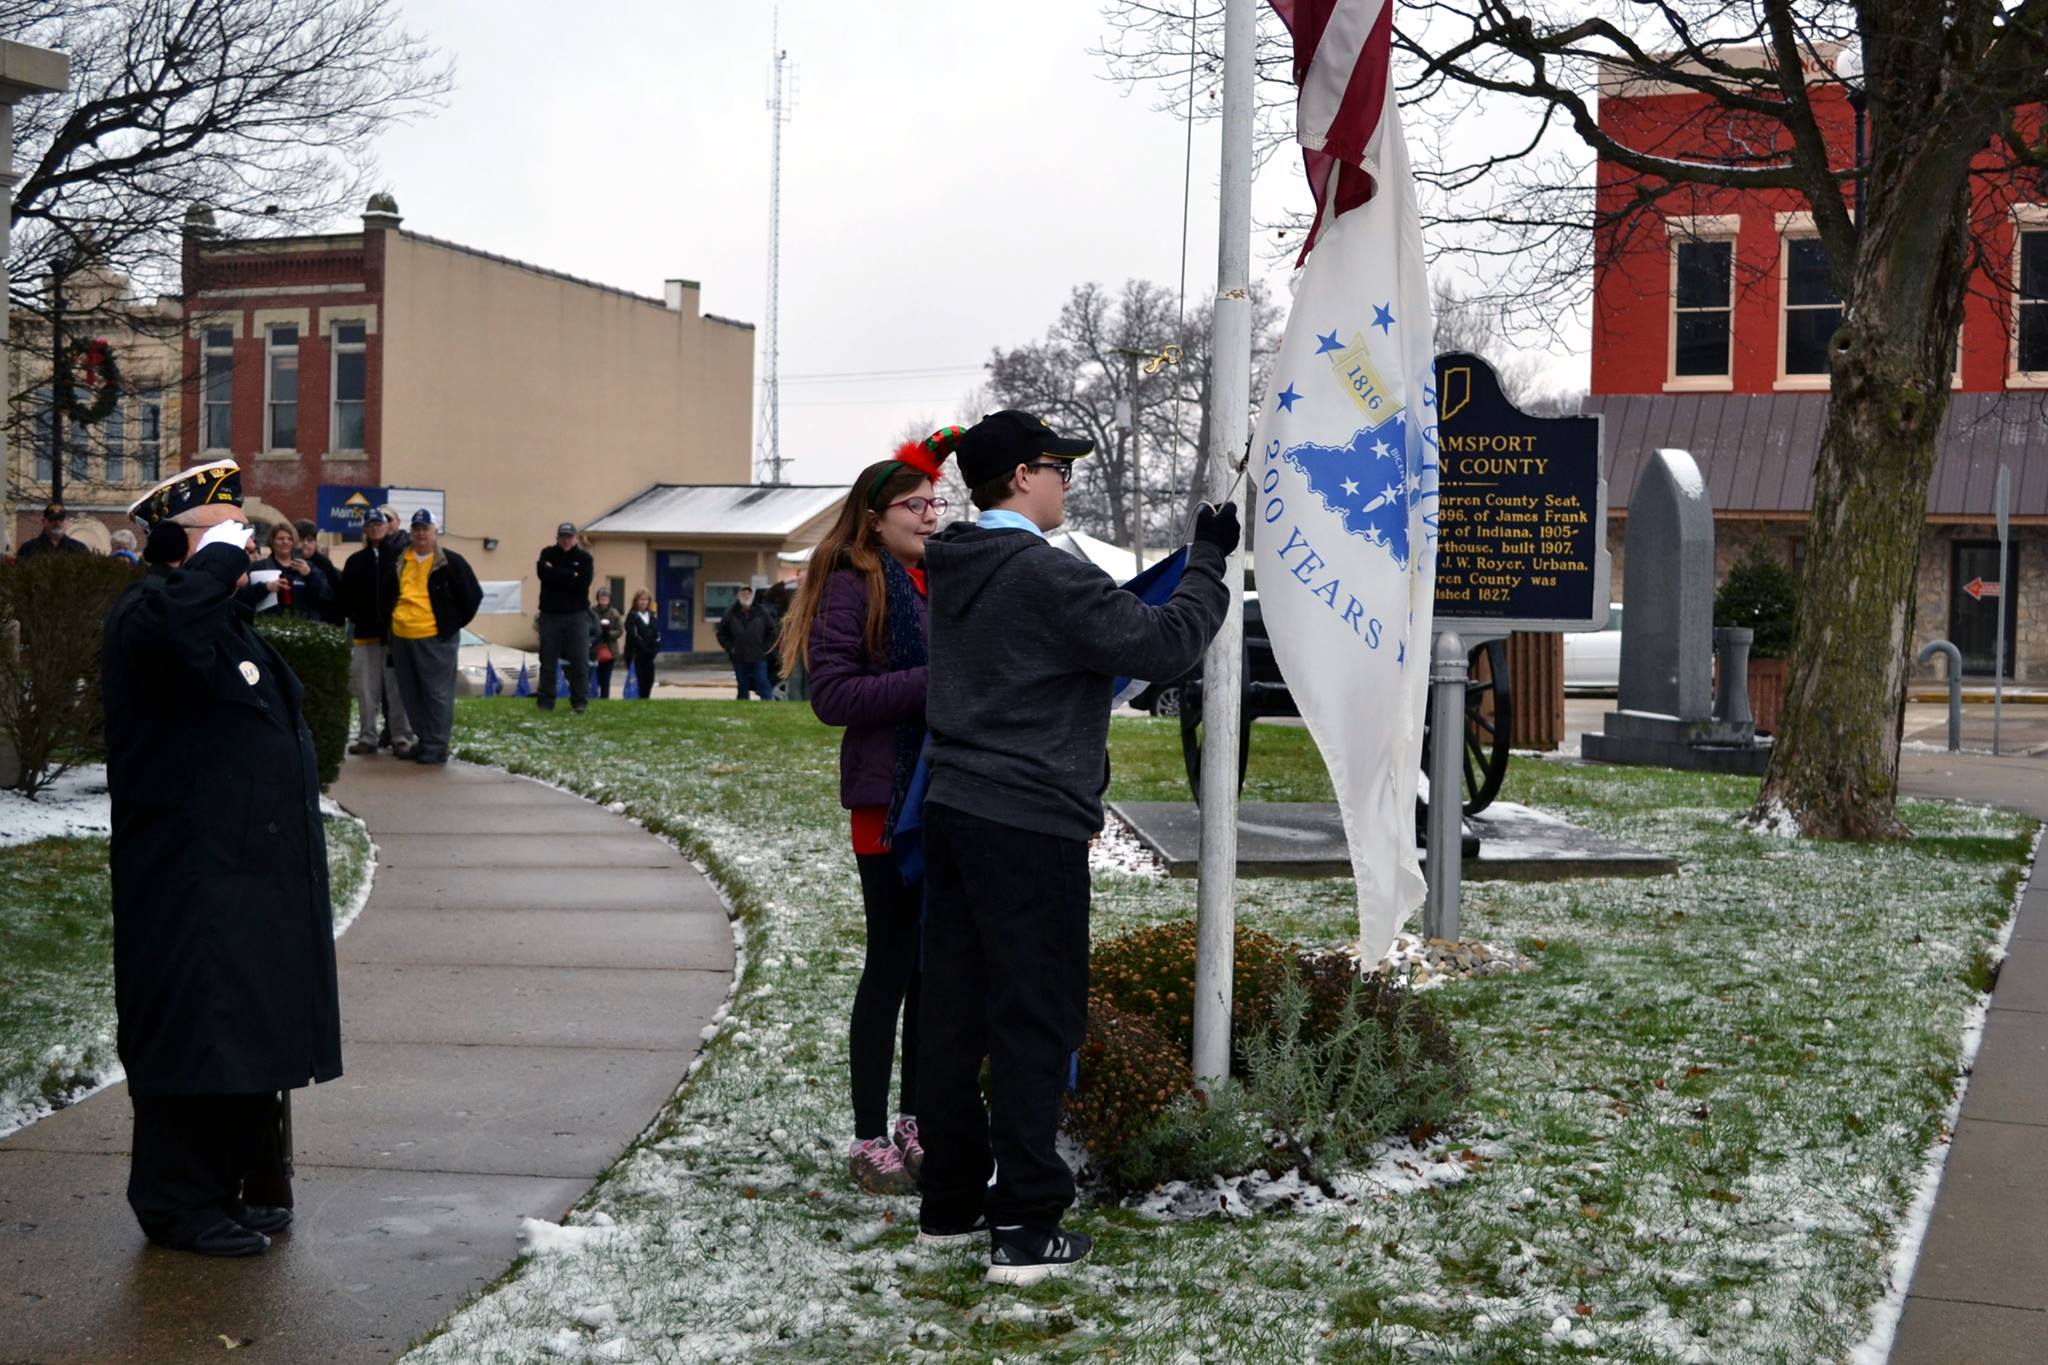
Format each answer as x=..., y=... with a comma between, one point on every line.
x=224, y=975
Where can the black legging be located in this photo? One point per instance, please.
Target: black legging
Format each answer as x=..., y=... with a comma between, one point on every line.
x=643, y=668
x=888, y=983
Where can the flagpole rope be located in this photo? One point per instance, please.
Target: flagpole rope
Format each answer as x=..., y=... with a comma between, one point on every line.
x=1187, y=180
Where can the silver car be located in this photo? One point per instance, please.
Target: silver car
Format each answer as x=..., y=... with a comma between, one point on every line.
x=1592, y=659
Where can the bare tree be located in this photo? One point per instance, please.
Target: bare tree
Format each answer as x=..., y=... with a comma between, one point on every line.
x=1464, y=323
x=1946, y=88
x=263, y=111
x=1079, y=374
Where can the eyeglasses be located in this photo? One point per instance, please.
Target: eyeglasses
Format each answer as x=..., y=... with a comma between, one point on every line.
x=1065, y=468
x=919, y=506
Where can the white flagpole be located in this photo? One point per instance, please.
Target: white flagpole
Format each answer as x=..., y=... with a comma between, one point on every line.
x=1222, y=669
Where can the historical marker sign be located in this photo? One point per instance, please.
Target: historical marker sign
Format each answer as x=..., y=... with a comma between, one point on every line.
x=1522, y=511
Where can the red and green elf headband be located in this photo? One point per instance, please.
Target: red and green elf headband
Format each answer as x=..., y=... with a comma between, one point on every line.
x=927, y=457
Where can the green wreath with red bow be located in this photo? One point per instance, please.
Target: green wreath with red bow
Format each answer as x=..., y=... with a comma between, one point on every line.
x=90, y=381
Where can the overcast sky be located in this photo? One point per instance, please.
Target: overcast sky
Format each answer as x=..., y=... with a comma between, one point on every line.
x=950, y=171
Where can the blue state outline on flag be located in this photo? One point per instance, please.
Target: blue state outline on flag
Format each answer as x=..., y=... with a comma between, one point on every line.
x=1370, y=492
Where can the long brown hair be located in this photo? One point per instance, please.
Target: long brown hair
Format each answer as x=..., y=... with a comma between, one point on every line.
x=852, y=543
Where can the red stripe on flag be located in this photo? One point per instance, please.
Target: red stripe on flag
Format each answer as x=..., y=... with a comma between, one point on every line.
x=1305, y=21
x=1358, y=115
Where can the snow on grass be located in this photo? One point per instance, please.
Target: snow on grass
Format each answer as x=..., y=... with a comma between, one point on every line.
x=57, y=950
x=75, y=804
x=1695, y=1129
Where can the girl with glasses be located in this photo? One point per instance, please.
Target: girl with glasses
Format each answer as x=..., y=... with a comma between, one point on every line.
x=858, y=623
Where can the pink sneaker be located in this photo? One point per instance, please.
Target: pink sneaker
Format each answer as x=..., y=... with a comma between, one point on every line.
x=877, y=1167
x=907, y=1143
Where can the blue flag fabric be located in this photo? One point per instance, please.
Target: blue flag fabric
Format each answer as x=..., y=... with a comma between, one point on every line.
x=491, y=685
x=524, y=686
x=1152, y=587
x=632, y=689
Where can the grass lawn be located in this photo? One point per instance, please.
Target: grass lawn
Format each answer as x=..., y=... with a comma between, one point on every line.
x=1693, y=1129
x=57, y=962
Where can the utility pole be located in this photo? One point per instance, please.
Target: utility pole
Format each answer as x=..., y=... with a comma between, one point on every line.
x=768, y=464
x=60, y=380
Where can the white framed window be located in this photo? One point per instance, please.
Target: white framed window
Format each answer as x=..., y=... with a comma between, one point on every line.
x=1809, y=311
x=349, y=383
x=281, y=386
x=149, y=438
x=114, y=443
x=2029, y=366
x=45, y=436
x=1702, y=323
x=217, y=402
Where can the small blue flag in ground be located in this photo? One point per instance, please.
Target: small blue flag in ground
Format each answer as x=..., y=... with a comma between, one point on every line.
x=492, y=687
x=631, y=692
x=561, y=679
x=524, y=687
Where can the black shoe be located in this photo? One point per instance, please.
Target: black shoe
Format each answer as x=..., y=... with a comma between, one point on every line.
x=546, y=705
x=951, y=1235
x=1026, y=1255
x=263, y=1218
x=430, y=760
x=222, y=1236
x=579, y=710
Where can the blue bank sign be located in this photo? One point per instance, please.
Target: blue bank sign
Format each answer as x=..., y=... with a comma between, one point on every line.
x=342, y=506
x=1522, y=519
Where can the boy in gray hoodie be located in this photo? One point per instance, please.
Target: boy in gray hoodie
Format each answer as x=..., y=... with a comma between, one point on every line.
x=1025, y=644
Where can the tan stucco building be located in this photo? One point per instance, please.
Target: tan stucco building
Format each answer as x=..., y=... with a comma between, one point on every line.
x=508, y=398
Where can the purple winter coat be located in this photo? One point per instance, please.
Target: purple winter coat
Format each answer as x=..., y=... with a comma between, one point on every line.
x=851, y=687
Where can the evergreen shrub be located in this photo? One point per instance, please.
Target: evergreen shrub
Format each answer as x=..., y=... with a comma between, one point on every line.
x=318, y=654
x=1761, y=593
x=53, y=609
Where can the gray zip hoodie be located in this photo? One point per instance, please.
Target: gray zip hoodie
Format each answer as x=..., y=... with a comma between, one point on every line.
x=1025, y=643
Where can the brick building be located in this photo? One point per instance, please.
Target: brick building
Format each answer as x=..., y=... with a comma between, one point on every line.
x=383, y=364
x=105, y=466
x=1710, y=334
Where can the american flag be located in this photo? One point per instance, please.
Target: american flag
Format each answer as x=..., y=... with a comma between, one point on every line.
x=1343, y=52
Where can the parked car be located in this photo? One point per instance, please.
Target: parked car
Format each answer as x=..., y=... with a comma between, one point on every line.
x=471, y=653
x=1592, y=658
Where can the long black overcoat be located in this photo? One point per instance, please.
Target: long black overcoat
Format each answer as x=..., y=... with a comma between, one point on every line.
x=223, y=937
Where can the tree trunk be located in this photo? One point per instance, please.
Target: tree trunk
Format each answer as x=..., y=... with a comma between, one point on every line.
x=1835, y=764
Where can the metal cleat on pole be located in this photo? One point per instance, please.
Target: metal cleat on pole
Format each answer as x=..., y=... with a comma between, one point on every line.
x=1447, y=676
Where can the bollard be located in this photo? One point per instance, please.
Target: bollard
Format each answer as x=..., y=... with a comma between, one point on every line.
x=1731, y=698
x=1447, y=675
x=1955, y=687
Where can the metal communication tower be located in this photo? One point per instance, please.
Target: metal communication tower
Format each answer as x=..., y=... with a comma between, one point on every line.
x=768, y=454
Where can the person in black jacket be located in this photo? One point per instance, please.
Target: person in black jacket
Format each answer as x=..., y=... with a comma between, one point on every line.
x=747, y=632
x=309, y=550
x=224, y=979
x=435, y=595
x=285, y=582
x=643, y=641
x=565, y=571
x=1026, y=644
x=54, y=540
x=368, y=586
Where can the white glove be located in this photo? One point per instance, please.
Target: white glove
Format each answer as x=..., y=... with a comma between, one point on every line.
x=235, y=533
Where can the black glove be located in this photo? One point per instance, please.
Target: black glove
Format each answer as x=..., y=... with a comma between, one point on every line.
x=1217, y=526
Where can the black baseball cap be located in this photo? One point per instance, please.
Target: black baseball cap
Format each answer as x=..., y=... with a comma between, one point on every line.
x=567, y=528
x=55, y=512
x=1003, y=440
x=376, y=516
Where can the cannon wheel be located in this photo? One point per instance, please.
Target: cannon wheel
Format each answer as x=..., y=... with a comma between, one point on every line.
x=1489, y=726
x=1191, y=743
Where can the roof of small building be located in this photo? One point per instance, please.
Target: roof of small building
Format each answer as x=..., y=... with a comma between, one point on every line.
x=720, y=509
x=1758, y=450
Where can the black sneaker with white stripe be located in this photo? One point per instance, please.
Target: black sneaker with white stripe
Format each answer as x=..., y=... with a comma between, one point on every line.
x=1028, y=1255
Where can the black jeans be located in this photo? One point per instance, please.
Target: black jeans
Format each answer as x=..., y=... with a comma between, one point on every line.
x=1006, y=977
x=888, y=985
x=192, y=1154
x=564, y=638
x=643, y=669
x=604, y=679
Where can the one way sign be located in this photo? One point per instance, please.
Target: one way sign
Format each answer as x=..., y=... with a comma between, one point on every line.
x=1979, y=589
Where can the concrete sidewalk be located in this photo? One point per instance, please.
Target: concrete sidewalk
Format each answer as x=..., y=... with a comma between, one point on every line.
x=519, y=998
x=1979, y=1294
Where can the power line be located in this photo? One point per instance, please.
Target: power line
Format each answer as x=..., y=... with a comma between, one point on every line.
x=850, y=376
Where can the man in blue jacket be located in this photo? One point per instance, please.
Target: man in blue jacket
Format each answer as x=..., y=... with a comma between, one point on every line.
x=1026, y=644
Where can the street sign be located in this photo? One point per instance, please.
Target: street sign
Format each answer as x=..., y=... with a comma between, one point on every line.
x=1521, y=511
x=1979, y=589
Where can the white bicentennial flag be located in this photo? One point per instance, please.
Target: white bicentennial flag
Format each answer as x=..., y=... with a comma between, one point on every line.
x=1343, y=488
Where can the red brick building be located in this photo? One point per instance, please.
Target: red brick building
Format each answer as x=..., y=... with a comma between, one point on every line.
x=1711, y=320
